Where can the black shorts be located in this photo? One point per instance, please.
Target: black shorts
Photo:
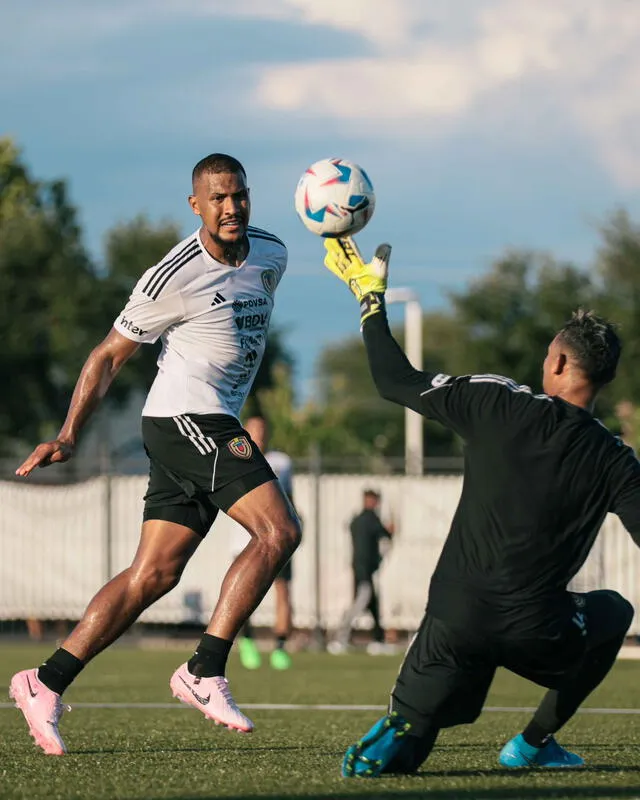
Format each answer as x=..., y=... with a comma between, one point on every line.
x=199, y=463
x=447, y=672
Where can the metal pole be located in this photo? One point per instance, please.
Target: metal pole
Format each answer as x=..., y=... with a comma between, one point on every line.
x=316, y=472
x=413, y=423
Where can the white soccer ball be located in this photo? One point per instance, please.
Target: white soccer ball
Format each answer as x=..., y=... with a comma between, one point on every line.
x=335, y=198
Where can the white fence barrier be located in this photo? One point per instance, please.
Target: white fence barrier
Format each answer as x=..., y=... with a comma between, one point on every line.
x=58, y=545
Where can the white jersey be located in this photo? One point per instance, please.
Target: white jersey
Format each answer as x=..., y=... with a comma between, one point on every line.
x=213, y=320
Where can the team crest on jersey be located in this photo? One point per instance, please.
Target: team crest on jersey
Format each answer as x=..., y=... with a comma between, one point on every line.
x=240, y=447
x=269, y=280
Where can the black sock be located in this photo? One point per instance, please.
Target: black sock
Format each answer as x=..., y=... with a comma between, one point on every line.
x=535, y=735
x=59, y=671
x=210, y=658
x=280, y=642
x=247, y=630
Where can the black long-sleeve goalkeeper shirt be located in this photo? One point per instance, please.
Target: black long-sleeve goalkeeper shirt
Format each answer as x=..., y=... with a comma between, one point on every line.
x=540, y=476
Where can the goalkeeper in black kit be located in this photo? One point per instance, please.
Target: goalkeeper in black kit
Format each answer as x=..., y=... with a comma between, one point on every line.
x=541, y=473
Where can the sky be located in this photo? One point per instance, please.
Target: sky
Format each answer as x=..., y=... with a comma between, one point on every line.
x=483, y=124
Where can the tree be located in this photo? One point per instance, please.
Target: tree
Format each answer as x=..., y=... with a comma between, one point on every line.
x=50, y=301
x=618, y=266
x=508, y=317
x=377, y=424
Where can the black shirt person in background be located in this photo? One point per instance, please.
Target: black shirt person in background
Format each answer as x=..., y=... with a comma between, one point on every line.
x=366, y=532
x=541, y=473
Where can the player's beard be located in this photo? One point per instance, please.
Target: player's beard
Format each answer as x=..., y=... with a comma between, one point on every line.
x=234, y=252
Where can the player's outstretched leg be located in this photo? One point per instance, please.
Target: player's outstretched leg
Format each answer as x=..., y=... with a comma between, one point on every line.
x=369, y=756
x=42, y=709
x=211, y=696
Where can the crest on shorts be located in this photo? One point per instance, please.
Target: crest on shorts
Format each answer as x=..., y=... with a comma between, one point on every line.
x=269, y=280
x=240, y=447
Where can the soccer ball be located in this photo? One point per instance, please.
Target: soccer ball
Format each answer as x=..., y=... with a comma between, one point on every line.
x=335, y=198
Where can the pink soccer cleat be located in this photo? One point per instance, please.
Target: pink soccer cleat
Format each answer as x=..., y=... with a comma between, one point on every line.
x=211, y=696
x=42, y=709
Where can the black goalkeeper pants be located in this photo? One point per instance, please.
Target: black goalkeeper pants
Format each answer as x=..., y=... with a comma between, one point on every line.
x=447, y=673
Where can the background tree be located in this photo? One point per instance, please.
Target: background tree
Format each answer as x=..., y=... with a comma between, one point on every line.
x=618, y=268
x=507, y=317
x=49, y=301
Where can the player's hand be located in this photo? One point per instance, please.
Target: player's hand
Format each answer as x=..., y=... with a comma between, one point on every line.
x=344, y=259
x=45, y=454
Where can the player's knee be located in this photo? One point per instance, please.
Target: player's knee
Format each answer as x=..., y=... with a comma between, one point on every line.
x=624, y=611
x=280, y=537
x=293, y=535
x=609, y=611
x=152, y=581
x=287, y=538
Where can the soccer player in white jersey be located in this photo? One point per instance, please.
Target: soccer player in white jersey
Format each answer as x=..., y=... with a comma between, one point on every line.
x=258, y=428
x=209, y=300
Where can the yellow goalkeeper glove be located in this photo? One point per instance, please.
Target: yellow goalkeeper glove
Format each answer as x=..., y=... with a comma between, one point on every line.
x=368, y=282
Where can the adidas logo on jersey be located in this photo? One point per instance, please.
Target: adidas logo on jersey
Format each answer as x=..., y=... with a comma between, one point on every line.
x=219, y=298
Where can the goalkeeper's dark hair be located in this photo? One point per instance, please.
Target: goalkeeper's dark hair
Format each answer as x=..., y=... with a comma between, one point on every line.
x=594, y=345
x=216, y=162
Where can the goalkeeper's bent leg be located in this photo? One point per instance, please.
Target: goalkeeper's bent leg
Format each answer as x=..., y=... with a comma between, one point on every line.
x=609, y=617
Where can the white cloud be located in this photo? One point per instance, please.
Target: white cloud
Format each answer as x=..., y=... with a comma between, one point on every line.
x=429, y=68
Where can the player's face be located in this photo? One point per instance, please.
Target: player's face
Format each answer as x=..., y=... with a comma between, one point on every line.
x=221, y=200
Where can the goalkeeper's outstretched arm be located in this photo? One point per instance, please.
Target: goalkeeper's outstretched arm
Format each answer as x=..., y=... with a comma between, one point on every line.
x=394, y=376
x=392, y=373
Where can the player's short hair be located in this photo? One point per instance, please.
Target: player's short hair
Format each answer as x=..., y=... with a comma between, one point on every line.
x=216, y=162
x=594, y=344
x=371, y=493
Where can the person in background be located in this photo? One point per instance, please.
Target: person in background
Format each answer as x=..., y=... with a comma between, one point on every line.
x=367, y=531
x=258, y=429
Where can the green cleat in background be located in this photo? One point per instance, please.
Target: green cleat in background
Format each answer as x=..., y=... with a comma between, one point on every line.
x=249, y=654
x=280, y=659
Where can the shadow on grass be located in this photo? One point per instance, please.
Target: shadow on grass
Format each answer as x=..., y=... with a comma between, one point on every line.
x=577, y=792
x=508, y=774
x=204, y=748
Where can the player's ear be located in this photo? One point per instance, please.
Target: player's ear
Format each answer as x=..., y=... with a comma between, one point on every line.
x=560, y=364
x=193, y=202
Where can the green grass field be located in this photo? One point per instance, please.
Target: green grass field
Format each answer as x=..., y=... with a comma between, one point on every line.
x=175, y=753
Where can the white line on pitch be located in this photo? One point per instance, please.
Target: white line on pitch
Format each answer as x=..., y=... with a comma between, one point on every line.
x=330, y=707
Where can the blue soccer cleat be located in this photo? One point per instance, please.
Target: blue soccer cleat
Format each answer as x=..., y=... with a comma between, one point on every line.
x=368, y=757
x=517, y=754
